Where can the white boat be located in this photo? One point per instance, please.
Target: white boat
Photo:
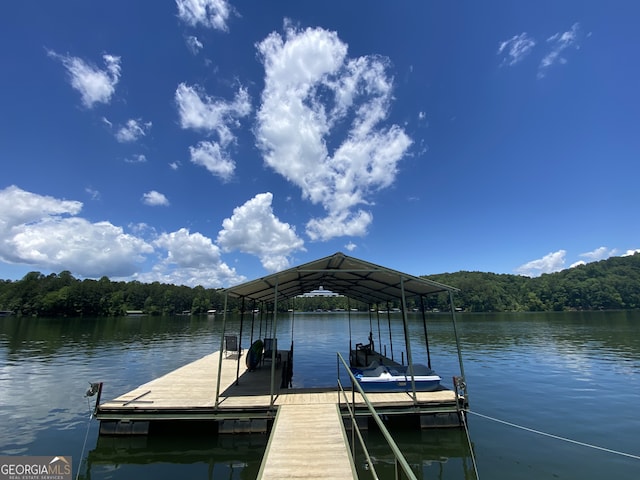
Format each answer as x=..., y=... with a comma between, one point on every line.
x=396, y=378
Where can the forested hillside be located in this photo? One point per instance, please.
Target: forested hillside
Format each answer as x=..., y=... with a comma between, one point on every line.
x=62, y=294
x=608, y=284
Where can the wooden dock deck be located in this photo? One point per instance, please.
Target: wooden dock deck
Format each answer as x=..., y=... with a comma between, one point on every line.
x=189, y=393
x=307, y=441
x=307, y=429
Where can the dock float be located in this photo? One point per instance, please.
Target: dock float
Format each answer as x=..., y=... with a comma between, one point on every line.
x=307, y=441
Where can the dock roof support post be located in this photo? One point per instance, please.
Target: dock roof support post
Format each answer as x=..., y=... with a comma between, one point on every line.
x=224, y=324
x=426, y=335
x=390, y=337
x=273, y=350
x=379, y=334
x=253, y=320
x=240, y=343
x=407, y=341
x=455, y=330
x=349, y=323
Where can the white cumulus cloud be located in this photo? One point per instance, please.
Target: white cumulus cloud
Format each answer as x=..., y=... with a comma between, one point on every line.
x=208, y=13
x=339, y=224
x=198, y=111
x=312, y=91
x=155, y=199
x=46, y=233
x=18, y=207
x=350, y=246
x=95, y=85
x=214, y=158
x=190, y=259
x=600, y=253
x=516, y=48
x=132, y=130
x=552, y=262
x=253, y=228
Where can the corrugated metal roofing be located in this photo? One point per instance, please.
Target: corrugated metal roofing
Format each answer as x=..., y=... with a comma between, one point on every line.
x=341, y=274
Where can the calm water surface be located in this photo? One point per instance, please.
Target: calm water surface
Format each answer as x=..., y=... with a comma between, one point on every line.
x=573, y=375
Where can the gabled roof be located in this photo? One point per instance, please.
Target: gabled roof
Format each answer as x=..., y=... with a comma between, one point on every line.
x=348, y=276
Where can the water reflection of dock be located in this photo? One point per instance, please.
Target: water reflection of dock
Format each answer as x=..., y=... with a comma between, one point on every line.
x=224, y=455
x=426, y=451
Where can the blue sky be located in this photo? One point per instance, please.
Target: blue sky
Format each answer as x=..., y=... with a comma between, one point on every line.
x=208, y=142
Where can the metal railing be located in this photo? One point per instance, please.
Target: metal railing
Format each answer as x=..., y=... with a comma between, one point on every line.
x=401, y=464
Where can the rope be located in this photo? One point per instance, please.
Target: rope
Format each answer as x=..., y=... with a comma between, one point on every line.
x=557, y=437
x=86, y=435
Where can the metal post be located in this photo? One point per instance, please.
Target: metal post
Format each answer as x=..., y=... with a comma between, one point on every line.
x=426, y=336
x=274, y=325
x=407, y=341
x=379, y=334
x=224, y=324
x=390, y=338
x=353, y=421
x=240, y=342
x=97, y=405
x=350, y=343
x=253, y=319
x=371, y=349
x=455, y=330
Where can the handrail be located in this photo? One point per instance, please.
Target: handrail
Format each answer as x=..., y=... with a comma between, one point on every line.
x=399, y=457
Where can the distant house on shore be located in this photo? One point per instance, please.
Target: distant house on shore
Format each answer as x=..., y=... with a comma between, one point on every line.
x=320, y=292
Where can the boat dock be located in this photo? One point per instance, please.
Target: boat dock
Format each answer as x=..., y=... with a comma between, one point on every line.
x=189, y=393
x=306, y=427
x=299, y=421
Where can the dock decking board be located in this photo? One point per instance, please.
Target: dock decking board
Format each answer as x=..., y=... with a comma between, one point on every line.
x=307, y=441
x=193, y=387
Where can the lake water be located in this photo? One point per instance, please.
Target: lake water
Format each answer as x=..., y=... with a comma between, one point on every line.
x=573, y=375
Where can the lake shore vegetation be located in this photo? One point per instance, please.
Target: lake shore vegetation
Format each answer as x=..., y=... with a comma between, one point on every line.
x=610, y=284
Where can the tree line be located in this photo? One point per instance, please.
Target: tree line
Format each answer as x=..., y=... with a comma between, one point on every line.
x=609, y=284
x=605, y=285
x=63, y=295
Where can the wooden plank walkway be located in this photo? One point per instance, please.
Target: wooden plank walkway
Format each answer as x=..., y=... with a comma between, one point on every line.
x=307, y=441
x=193, y=388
